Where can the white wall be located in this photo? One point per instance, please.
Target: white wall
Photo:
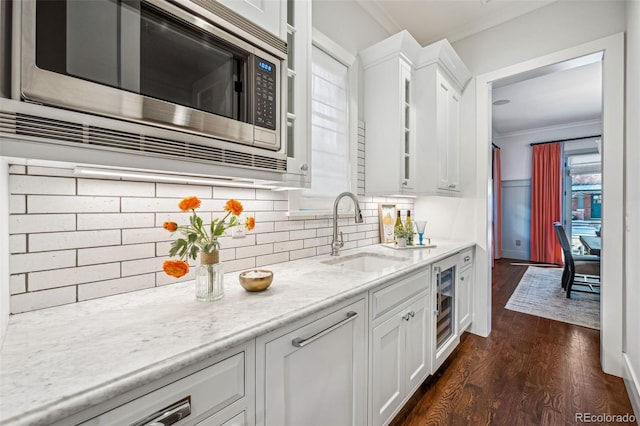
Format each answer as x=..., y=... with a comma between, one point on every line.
x=515, y=149
x=537, y=39
x=4, y=247
x=632, y=269
x=557, y=26
x=347, y=23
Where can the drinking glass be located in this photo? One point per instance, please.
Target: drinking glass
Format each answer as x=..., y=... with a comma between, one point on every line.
x=420, y=225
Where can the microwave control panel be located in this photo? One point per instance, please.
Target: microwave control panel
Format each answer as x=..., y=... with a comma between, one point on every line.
x=265, y=94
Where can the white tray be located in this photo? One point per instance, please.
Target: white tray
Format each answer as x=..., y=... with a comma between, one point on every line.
x=415, y=246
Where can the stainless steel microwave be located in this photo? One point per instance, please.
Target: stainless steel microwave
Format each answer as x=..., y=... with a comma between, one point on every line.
x=172, y=64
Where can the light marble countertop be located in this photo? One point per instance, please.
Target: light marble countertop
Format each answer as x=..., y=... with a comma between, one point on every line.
x=58, y=361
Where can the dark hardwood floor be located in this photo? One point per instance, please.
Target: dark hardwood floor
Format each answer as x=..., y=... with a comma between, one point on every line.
x=529, y=371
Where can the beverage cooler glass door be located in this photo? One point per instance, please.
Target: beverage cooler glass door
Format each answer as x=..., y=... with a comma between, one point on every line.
x=445, y=305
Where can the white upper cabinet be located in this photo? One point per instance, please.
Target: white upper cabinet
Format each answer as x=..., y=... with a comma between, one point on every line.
x=412, y=112
x=389, y=111
x=266, y=13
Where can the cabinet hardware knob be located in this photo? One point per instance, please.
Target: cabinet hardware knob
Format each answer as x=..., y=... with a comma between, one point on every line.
x=461, y=278
x=405, y=183
x=406, y=317
x=304, y=167
x=467, y=258
x=413, y=314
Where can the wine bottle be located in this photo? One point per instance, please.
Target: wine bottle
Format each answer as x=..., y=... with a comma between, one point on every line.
x=409, y=227
x=397, y=224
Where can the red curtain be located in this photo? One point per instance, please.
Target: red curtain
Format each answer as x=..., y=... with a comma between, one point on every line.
x=497, y=207
x=546, y=202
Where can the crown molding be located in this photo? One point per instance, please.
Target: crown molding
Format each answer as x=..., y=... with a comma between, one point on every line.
x=380, y=16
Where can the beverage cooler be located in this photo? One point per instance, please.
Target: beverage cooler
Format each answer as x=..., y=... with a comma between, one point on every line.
x=446, y=334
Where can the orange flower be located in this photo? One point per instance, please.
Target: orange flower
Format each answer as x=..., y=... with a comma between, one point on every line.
x=189, y=203
x=170, y=226
x=175, y=268
x=250, y=223
x=234, y=206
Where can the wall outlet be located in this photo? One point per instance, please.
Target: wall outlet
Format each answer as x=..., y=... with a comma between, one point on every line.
x=518, y=243
x=238, y=232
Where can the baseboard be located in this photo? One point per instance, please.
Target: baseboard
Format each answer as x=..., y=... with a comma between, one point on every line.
x=632, y=384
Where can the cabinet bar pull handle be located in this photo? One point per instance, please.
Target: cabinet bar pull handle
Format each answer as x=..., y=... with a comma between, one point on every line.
x=168, y=415
x=299, y=342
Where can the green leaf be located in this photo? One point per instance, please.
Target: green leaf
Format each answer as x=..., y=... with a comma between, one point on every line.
x=194, y=252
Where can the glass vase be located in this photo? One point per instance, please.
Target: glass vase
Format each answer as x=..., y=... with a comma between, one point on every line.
x=209, y=277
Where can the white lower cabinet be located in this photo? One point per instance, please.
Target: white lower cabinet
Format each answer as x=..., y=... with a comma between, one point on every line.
x=220, y=394
x=400, y=355
x=313, y=372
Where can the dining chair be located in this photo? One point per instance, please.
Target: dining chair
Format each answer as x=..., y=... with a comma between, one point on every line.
x=585, y=268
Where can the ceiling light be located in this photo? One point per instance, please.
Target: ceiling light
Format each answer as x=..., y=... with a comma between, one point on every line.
x=501, y=102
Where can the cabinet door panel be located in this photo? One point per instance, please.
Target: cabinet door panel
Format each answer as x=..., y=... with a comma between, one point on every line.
x=418, y=356
x=464, y=297
x=321, y=383
x=387, y=368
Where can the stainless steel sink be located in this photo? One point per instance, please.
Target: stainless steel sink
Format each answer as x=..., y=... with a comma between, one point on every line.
x=365, y=262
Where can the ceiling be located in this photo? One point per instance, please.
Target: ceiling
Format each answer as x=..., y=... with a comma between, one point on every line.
x=560, y=94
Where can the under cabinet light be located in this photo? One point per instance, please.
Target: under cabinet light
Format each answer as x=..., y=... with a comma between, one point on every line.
x=158, y=177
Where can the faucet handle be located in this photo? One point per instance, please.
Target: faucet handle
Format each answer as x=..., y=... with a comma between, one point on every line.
x=341, y=240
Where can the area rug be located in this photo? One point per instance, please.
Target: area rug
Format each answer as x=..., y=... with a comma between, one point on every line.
x=539, y=293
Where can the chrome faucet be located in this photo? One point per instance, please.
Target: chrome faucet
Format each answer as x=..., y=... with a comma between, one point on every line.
x=335, y=244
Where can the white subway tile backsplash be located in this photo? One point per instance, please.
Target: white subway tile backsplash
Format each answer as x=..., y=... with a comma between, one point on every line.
x=71, y=204
x=89, y=221
x=291, y=225
x=252, y=251
x=27, y=224
x=141, y=266
x=29, y=262
x=272, y=258
x=115, y=188
x=272, y=237
x=257, y=205
x=227, y=193
x=281, y=205
x=17, y=204
x=181, y=191
x=299, y=235
x=25, y=184
x=69, y=276
x=18, y=283
x=266, y=194
x=145, y=235
x=107, y=237
x=155, y=205
x=117, y=286
x=240, y=264
x=315, y=242
x=288, y=246
x=92, y=256
x=66, y=240
x=17, y=244
x=42, y=299
x=299, y=254
x=272, y=217
x=50, y=171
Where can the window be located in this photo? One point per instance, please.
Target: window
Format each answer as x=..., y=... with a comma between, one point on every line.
x=333, y=134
